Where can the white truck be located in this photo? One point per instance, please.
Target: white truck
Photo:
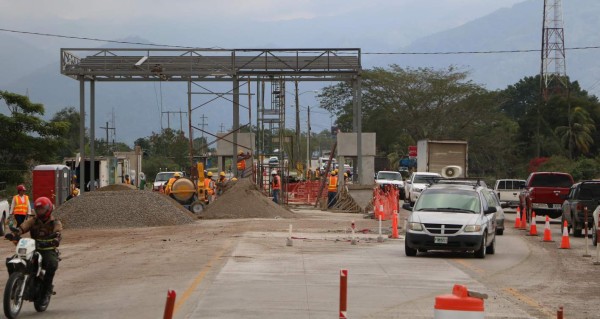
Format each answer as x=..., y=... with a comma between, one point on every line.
x=508, y=191
x=4, y=208
x=446, y=157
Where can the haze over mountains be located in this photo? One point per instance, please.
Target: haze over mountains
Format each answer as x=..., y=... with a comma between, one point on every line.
x=30, y=64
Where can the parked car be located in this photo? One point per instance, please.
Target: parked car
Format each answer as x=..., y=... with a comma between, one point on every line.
x=273, y=161
x=417, y=182
x=581, y=195
x=508, y=191
x=391, y=178
x=452, y=217
x=4, y=208
x=162, y=178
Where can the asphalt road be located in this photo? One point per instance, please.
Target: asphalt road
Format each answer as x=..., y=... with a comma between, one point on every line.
x=243, y=269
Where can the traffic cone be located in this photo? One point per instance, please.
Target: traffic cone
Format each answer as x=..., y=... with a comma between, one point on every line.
x=565, y=244
x=547, y=232
x=518, y=218
x=533, y=226
x=524, y=220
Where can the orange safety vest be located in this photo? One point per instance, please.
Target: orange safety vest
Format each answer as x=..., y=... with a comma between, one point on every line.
x=276, y=182
x=209, y=185
x=21, y=205
x=333, y=181
x=241, y=165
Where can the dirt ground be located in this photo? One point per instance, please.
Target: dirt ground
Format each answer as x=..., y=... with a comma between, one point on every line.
x=126, y=272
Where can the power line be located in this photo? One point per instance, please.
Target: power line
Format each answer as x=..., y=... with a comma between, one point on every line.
x=364, y=53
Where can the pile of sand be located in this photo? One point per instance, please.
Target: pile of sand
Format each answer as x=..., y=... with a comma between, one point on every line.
x=117, y=187
x=243, y=199
x=117, y=209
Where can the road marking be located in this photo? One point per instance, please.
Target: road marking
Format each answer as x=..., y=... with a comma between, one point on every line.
x=527, y=300
x=468, y=265
x=188, y=292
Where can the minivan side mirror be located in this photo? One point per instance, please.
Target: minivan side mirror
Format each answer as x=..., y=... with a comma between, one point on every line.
x=407, y=206
x=491, y=210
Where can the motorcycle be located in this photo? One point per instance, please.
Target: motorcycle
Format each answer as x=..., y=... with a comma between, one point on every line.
x=26, y=278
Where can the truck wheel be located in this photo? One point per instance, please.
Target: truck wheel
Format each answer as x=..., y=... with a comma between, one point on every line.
x=576, y=232
x=2, y=225
x=594, y=236
x=197, y=208
x=491, y=249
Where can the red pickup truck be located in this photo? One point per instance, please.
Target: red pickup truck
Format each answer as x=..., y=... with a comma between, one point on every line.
x=542, y=193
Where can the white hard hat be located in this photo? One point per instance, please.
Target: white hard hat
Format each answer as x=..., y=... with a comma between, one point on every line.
x=273, y=172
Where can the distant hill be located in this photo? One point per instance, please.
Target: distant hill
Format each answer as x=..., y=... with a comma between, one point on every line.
x=519, y=27
x=138, y=107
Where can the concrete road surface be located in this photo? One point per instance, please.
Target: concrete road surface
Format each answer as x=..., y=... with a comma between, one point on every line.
x=243, y=269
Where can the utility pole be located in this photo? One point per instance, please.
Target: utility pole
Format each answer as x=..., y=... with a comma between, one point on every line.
x=221, y=128
x=106, y=128
x=203, y=124
x=169, y=118
x=297, y=157
x=308, y=140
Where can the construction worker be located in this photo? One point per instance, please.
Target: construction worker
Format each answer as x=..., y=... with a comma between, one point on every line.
x=275, y=186
x=20, y=207
x=74, y=193
x=241, y=163
x=209, y=186
x=46, y=230
x=332, y=189
x=172, y=180
x=221, y=183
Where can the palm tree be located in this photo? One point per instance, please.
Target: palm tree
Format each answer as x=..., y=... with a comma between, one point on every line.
x=578, y=135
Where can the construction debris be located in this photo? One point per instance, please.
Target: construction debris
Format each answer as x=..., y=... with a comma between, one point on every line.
x=243, y=199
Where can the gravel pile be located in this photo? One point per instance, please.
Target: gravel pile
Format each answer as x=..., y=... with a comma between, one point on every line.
x=243, y=199
x=117, y=187
x=119, y=209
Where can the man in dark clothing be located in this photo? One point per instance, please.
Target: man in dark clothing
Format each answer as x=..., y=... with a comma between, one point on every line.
x=45, y=229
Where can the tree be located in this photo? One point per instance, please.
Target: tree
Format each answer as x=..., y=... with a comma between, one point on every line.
x=69, y=143
x=26, y=138
x=579, y=133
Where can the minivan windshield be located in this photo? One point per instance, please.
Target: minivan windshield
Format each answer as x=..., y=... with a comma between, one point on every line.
x=389, y=175
x=448, y=200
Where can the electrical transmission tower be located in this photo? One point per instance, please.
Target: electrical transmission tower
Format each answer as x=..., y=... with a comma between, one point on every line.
x=554, y=70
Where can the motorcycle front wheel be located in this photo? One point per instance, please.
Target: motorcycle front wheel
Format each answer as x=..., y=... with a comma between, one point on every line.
x=38, y=303
x=12, y=300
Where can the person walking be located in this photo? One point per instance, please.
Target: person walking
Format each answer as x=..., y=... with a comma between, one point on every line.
x=275, y=186
x=20, y=207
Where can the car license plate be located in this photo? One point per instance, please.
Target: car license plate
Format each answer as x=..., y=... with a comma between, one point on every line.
x=440, y=240
x=557, y=206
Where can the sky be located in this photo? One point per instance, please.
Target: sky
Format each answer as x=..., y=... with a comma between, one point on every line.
x=372, y=25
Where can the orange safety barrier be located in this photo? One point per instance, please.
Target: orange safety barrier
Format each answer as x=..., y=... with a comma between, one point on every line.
x=304, y=192
x=385, y=202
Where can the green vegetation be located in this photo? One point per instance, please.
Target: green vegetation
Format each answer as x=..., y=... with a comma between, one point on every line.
x=510, y=131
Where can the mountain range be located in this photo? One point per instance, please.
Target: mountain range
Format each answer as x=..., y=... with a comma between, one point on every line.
x=138, y=107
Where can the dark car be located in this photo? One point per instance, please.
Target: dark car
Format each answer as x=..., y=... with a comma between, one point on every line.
x=581, y=195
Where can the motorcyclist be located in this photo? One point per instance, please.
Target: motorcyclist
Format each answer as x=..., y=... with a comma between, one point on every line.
x=46, y=230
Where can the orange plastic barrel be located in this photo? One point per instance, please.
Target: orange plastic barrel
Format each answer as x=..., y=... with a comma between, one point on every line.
x=458, y=305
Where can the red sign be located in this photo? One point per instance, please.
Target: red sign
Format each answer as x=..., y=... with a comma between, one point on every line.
x=412, y=150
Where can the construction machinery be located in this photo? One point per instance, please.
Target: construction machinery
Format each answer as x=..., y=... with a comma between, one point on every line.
x=190, y=192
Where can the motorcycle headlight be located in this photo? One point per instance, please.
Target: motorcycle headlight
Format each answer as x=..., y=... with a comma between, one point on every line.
x=473, y=228
x=22, y=251
x=415, y=226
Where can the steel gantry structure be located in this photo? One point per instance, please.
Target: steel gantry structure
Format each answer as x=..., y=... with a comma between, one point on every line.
x=209, y=65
